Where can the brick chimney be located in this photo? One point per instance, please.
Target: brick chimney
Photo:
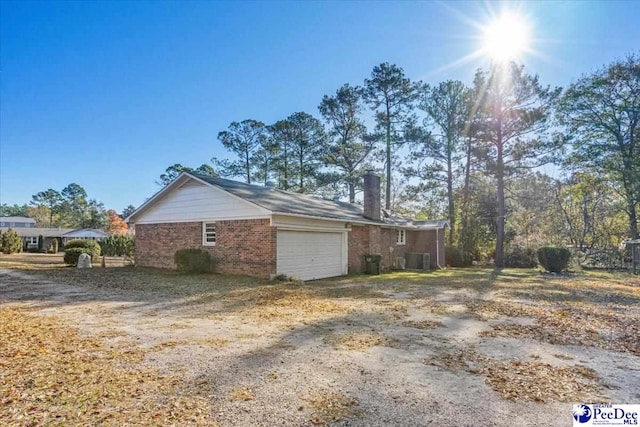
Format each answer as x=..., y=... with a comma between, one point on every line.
x=371, y=195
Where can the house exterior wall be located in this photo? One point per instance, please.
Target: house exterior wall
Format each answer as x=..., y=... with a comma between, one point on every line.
x=245, y=247
x=426, y=241
x=373, y=239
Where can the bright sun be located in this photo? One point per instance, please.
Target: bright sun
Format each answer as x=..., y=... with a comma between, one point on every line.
x=506, y=38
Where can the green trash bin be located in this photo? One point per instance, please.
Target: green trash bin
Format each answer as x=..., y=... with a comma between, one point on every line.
x=373, y=263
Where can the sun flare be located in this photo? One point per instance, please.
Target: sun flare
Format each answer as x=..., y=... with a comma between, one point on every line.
x=506, y=38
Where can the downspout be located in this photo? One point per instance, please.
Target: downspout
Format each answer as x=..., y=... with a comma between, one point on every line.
x=438, y=249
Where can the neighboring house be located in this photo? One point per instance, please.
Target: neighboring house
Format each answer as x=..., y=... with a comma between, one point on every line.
x=260, y=231
x=30, y=235
x=17, y=222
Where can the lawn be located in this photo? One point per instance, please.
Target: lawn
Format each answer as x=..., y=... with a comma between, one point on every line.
x=404, y=348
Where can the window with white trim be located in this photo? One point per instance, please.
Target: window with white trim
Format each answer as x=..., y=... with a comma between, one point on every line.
x=209, y=233
x=32, y=240
x=400, y=237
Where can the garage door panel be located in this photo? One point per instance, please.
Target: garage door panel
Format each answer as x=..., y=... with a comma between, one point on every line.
x=310, y=255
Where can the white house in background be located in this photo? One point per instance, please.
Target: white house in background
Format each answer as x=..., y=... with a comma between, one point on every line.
x=17, y=222
x=30, y=235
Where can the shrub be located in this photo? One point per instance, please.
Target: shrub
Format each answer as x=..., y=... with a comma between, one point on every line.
x=517, y=256
x=71, y=255
x=123, y=245
x=10, y=242
x=91, y=247
x=193, y=261
x=553, y=259
x=455, y=257
x=41, y=243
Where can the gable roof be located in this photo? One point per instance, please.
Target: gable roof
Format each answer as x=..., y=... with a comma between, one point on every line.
x=287, y=203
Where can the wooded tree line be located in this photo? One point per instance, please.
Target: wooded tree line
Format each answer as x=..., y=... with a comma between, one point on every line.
x=471, y=153
x=70, y=207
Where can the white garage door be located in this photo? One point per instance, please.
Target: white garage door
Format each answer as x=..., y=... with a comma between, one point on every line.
x=311, y=255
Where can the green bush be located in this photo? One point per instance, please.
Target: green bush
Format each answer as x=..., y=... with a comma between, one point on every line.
x=553, y=259
x=455, y=257
x=193, y=261
x=71, y=255
x=517, y=256
x=118, y=245
x=91, y=247
x=10, y=242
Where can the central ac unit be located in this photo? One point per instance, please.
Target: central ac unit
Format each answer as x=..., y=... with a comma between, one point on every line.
x=417, y=261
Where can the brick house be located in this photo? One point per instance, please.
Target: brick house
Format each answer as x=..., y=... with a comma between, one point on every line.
x=260, y=231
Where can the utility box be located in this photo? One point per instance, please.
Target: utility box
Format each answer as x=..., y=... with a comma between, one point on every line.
x=373, y=263
x=417, y=261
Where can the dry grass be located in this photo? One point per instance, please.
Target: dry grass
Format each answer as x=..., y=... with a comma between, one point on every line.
x=51, y=375
x=34, y=262
x=519, y=380
x=331, y=406
x=357, y=341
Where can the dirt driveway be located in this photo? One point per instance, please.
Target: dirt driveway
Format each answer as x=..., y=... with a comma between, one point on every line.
x=449, y=348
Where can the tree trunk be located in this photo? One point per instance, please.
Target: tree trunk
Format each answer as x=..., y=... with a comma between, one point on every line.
x=633, y=221
x=452, y=216
x=499, y=260
x=248, y=167
x=352, y=192
x=387, y=202
x=465, y=201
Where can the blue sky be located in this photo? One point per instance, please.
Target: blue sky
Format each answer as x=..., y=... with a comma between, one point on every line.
x=108, y=94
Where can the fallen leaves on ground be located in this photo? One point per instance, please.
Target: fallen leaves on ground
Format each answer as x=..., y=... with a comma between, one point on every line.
x=595, y=325
x=241, y=394
x=331, y=406
x=520, y=380
x=280, y=303
x=49, y=374
x=357, y=341
x=422, y=324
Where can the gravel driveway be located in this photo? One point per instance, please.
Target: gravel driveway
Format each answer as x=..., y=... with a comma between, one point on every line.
x=401, y=350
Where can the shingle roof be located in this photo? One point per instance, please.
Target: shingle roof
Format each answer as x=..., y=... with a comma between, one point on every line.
x=35, y=232
x=287, y=203
x=23, y=219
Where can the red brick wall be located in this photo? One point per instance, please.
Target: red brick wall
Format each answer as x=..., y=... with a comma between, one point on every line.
x=372, y=239
x=426, y=241
x=246, y=247
x=358, y=248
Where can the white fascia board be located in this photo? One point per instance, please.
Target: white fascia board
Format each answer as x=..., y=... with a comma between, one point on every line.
x=322, y=218
x=204, y=219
